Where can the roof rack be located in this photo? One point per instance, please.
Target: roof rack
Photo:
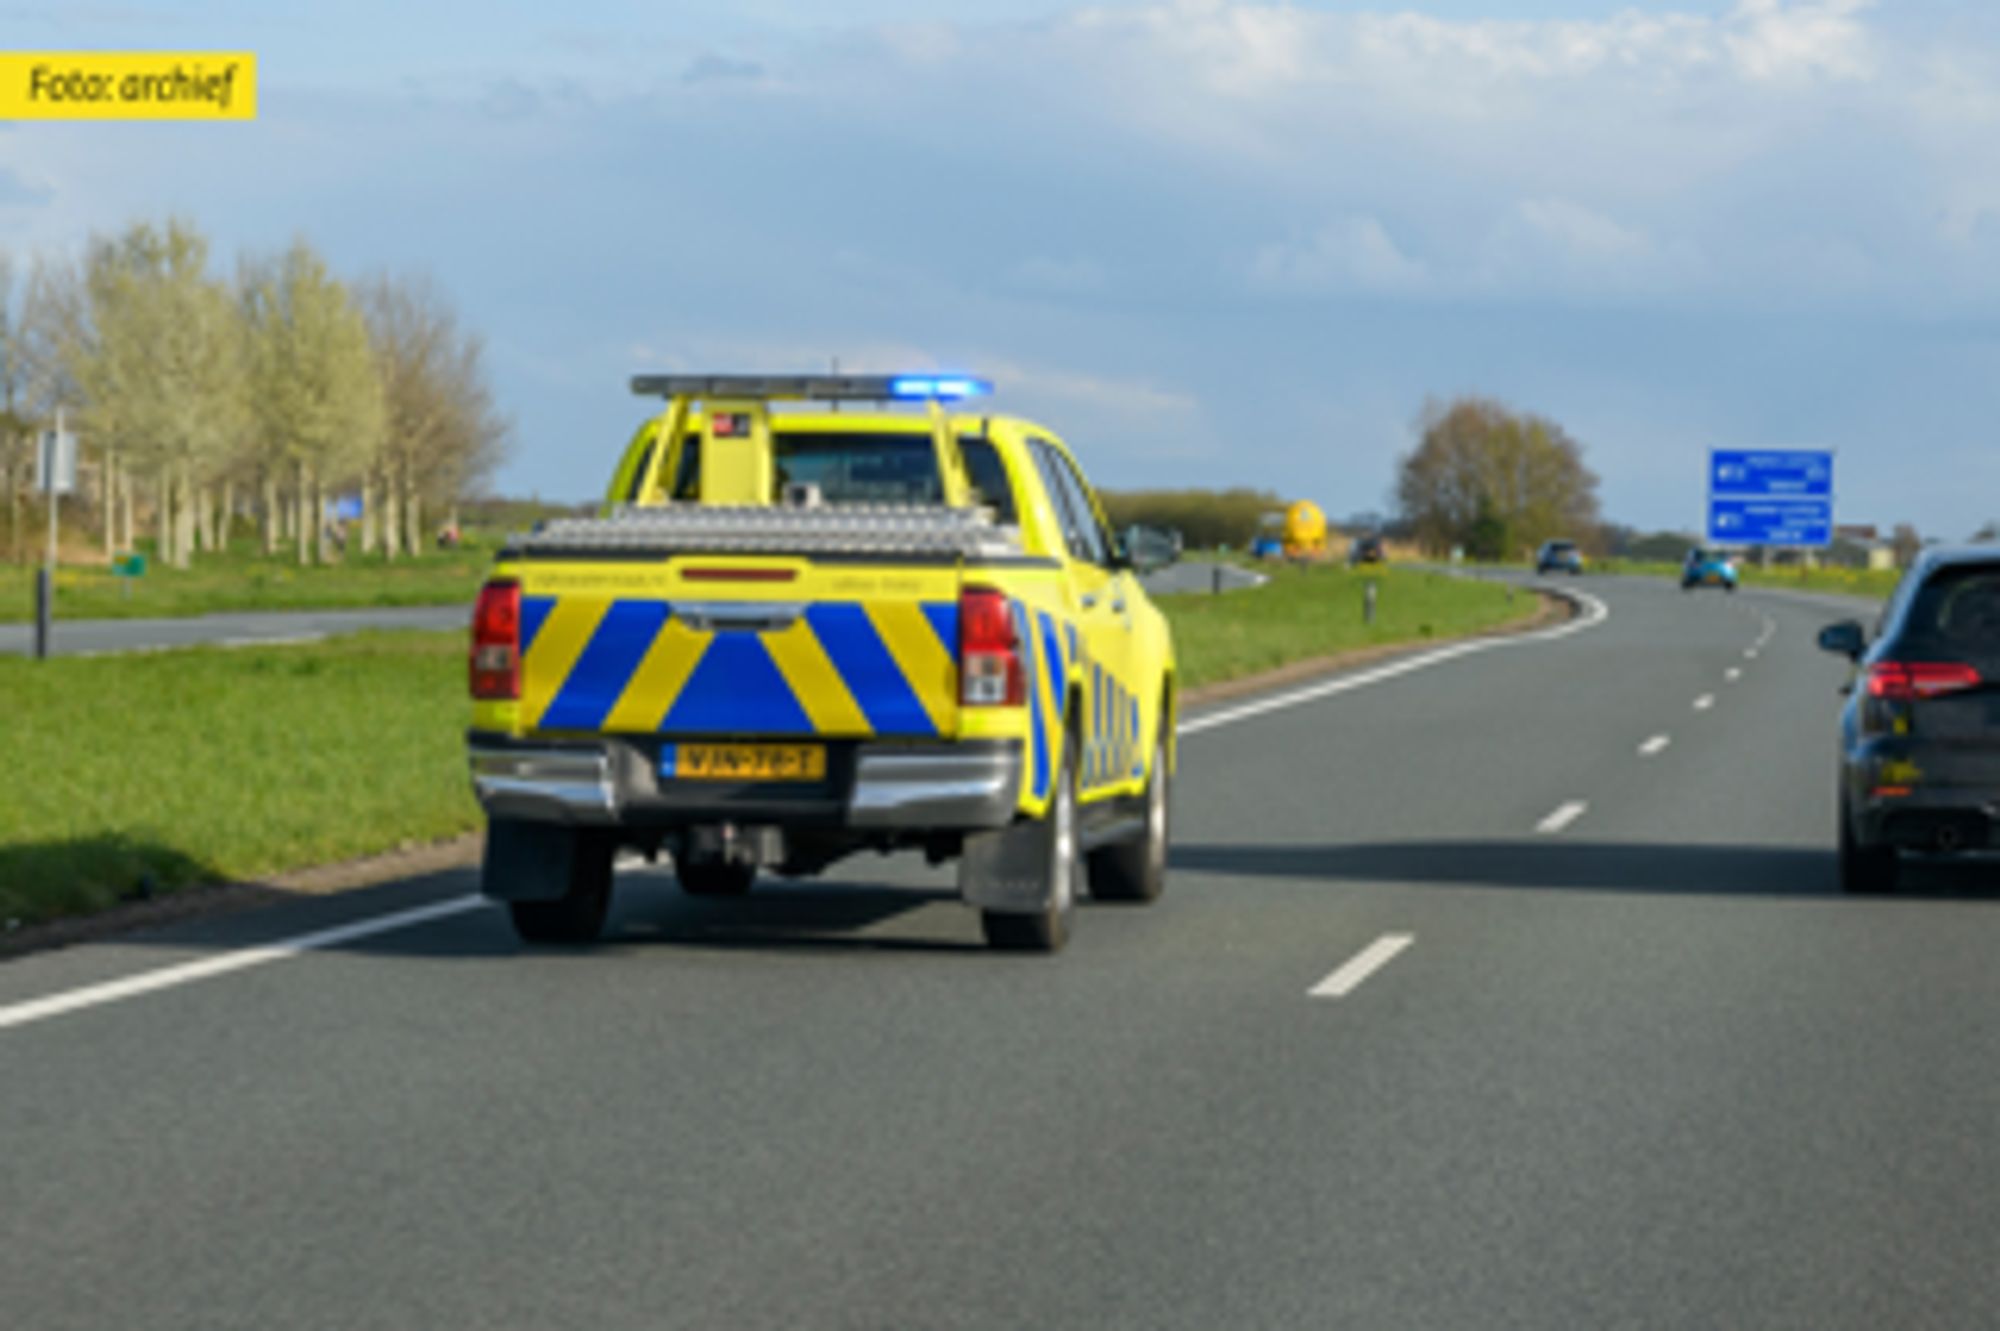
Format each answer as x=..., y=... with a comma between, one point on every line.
x=814, y=387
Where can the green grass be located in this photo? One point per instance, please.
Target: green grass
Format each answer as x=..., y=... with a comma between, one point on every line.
x=199, y=766
x=242, y=580
x=1316, y=610
x=1869, y=584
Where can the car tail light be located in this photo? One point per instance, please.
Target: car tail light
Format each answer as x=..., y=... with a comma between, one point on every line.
x=496, y=642
x=989, y=651
x=1907, y=681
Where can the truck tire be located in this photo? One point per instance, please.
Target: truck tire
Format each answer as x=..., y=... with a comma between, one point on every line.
x=715, y=878
x=1136, y=870
x=578, y=915
x=1046, y=930
x=1864, y=870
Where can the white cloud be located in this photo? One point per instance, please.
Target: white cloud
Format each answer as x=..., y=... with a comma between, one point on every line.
x=1352, y=254
x=1769, y=39
x=1579, y=231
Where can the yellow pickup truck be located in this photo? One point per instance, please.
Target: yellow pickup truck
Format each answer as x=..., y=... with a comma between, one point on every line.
x=794, y=632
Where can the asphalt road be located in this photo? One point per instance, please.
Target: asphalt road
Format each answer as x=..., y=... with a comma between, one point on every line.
x=1200, y=575
x=100, y=636
x=253, y=628
x=1472, y=1003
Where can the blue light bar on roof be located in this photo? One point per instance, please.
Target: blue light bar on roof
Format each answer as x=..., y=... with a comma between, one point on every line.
x=945, y=387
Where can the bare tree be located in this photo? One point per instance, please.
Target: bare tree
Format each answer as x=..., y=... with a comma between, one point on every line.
x=443, y=436
x=15, y=427
x=153, y=353
x=319, y=400
x=1907, y=544
x=1494, y=481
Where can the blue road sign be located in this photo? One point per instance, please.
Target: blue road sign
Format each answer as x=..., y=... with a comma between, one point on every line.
x=1770, y=474
x=1734, y=521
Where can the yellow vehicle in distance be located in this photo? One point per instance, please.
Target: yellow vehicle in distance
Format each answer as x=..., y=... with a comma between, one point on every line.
x=791, y=635
x=1305, y=531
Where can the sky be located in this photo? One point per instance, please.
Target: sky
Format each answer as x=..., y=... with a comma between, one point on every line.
x=1208, y=243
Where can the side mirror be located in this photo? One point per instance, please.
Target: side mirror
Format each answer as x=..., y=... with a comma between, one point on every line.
x=1149, y=548
x=1844, y=638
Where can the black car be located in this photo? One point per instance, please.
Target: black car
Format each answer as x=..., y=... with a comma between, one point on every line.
x=1920, y=736
x=1365, y=550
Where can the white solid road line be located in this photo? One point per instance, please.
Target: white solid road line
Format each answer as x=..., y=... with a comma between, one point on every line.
x=1360, y=966
x=1562, y=817
x=1657, y=744
x=1595, y=612
x=1704, y=702
x=20, y=1014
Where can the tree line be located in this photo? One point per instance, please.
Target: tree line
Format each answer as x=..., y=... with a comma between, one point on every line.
x=1206, y=519
x=202, y=400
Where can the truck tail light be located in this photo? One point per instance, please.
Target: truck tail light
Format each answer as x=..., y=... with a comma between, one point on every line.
x=496, y=642
x=989, y=651
x=1908, y=681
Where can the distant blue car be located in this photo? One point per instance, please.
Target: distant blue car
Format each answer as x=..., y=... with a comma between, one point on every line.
x=1708, y=568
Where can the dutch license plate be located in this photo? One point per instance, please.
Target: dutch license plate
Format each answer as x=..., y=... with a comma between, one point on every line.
x=743, y=762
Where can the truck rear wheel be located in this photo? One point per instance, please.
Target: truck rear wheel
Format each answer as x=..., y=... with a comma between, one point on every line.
x=578, y=915
x=715, y=878
x=1136, y=870
x=1046, y=930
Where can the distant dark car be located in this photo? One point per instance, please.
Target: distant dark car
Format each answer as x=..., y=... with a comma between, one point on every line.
x=1708, y=568
x=1366, y=550
x=1559, y=557
x=1920, y=735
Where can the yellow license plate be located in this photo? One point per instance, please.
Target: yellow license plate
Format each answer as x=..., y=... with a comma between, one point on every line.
x=743, y=762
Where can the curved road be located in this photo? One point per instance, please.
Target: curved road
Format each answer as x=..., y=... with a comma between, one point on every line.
x=1508, y=991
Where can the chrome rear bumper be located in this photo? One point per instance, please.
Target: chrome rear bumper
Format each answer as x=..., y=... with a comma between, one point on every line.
x=966, y=785
x=561, y=784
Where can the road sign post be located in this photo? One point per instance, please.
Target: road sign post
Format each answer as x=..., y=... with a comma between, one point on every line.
x=55, y=476
x=1770, y=497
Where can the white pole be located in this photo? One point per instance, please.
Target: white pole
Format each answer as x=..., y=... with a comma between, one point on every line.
x=54, y=495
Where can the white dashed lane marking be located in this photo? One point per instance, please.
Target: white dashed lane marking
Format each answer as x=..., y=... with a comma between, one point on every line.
x=1562, y=817
x=1360, y=966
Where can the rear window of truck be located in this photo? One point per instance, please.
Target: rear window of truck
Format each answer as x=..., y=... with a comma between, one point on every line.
x=866, y=469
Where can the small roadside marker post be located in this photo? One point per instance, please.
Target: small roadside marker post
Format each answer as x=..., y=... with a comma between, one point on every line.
x=1368, y=603
x=55, y=461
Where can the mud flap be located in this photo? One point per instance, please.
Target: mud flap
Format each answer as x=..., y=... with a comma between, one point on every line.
x=1008, y=870
x=527, y=861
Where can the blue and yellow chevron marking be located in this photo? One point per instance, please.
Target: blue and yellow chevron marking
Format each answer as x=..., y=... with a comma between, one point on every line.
x=1038, y=667
x=1138, y=768
x=1094, y=765
x=842, y=669
x=1049, y=695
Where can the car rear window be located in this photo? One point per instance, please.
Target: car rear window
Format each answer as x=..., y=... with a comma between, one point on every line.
x=1959, y=609
x=853, y=468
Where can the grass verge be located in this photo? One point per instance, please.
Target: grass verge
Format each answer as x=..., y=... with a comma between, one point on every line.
x=137, y=775
x=1870, y=584
x=149, y=773
x=241, y=580
x=1316, y=610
